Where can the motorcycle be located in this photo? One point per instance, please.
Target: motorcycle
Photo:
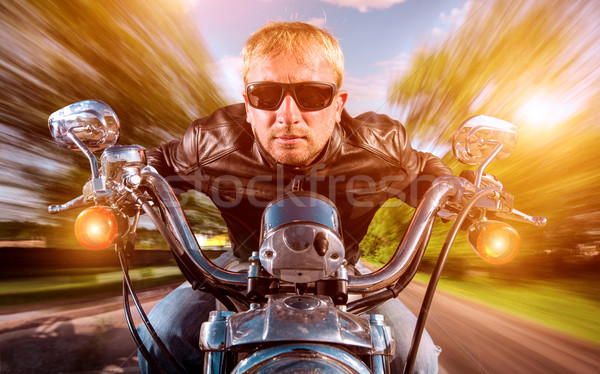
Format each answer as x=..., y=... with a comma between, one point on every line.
x=292, y=309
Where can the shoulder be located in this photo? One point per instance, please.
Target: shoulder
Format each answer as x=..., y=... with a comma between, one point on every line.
x=222, y=132
x=374, y=132
x=231, y=115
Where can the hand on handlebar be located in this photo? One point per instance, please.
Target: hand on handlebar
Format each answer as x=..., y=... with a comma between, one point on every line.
x=459, y=183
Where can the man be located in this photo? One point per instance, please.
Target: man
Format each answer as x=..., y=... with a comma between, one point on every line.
x=292, y=133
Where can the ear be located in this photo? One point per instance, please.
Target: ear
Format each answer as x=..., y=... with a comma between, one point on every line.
x=249, y=117
x=339, y=102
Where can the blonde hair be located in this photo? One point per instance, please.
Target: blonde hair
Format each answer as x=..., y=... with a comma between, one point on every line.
x=299, y=39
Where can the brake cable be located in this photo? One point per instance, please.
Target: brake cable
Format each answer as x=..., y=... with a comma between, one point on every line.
x=435, y=276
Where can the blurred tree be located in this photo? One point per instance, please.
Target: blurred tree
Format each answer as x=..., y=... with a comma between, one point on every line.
x=202, y=214
x=386, y=231
x=533, y=63
x=147, y=60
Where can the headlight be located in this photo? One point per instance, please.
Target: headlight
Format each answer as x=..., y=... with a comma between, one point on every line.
x=300, y=359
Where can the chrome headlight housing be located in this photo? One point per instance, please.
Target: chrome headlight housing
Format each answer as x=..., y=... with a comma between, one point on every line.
x=300, y=359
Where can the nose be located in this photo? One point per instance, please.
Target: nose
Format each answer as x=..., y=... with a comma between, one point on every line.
x=288, y=112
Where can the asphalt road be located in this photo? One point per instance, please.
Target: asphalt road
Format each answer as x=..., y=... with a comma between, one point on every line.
x=478, y=339
x=91, y=337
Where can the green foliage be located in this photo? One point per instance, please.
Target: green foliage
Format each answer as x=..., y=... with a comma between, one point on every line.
x=386, y=231
x=71, y=284
x=203, y=216
x=15, y=230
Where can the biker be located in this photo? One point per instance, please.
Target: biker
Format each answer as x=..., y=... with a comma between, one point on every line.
x=291, y=133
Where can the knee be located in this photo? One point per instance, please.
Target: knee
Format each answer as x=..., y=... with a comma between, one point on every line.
x=427, y=355
x=176, y=321
x=181, y=341
x=157, y=327
x=161, y=329
x=403, y=323
x=426, y=361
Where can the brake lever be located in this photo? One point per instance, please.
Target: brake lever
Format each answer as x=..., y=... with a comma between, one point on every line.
x=519, y=216
x=75, y=203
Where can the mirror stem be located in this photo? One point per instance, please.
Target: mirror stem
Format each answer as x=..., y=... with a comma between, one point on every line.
x=487, y=162
x=85, y=150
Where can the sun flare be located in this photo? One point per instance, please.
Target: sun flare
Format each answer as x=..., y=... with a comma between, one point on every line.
x=545, y=111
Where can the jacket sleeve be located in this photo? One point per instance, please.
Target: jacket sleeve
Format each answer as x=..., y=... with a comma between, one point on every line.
x=422, y=168
x=418, y=170
x=177, y=159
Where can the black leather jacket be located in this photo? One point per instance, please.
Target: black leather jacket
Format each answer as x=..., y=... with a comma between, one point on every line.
x=367, y=161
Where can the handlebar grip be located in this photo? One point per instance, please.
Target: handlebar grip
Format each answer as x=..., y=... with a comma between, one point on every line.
x=538, y=221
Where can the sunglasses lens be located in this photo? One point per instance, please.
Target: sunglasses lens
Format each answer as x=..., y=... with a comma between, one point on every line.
x=314, y=96
x=264, y=96
x=308, y=95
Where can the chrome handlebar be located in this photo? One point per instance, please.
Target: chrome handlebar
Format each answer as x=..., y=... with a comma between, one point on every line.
x=124, y=167
x=181, y=229
x=433, y=200
x=378, y=280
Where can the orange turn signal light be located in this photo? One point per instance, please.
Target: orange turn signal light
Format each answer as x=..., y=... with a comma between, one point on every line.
x=494, y=241
x=96, y=227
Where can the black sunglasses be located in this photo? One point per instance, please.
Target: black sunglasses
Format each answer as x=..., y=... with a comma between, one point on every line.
x=308, y=95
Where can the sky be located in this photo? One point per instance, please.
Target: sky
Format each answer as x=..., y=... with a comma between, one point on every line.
x=377, y=37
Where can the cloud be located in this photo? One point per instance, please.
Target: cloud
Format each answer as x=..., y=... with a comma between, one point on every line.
x=228, y=76
x=457, y=15
x=371, y=92
x=318, y=22
x=453, y=20
x=366, y=92
x=394, y=67
x=364, y=6
x=436, y=32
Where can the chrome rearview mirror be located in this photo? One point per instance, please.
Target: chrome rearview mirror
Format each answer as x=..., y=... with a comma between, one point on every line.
x=89, y=126
x=90, y=123
x=483, y=139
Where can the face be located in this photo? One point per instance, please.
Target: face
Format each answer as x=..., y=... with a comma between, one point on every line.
x=290, y=134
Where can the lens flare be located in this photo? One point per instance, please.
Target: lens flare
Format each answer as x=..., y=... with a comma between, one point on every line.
x=494, y=241
x=546, y=111
x=96, y=227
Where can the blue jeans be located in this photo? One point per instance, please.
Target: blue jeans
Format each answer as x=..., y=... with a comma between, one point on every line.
x=177, y=319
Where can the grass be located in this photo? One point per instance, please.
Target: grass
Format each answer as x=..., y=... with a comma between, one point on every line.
x=570, y=306
x=67, y=284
